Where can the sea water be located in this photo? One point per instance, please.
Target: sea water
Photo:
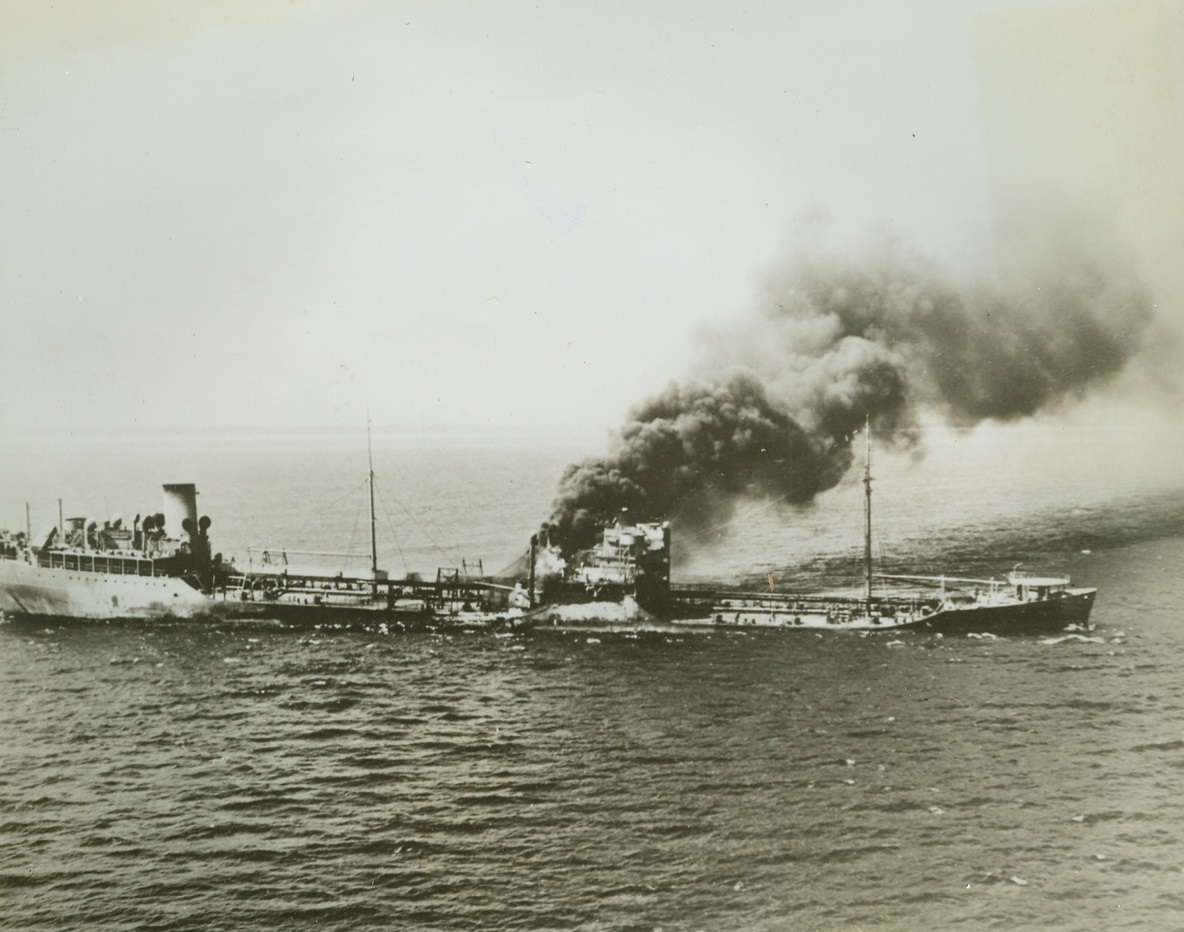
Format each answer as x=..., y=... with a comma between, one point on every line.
x=262, y=776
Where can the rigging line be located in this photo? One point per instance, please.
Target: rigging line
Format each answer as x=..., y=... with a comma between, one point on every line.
x=349, y=550
x=386, y=513
x=971, y=428
x=351, y=491
x=513, y=571
x=388, y=460
x=422, y=529
x=513, y=567
x=516, y=566
x=354, y=532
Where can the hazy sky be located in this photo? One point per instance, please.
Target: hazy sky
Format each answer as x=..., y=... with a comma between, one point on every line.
x=517, y=217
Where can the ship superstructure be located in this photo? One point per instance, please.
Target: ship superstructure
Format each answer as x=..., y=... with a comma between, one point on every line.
x=625, y=577
x=160, y=566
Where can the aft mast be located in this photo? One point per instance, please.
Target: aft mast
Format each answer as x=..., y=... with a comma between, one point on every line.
x=867, y=513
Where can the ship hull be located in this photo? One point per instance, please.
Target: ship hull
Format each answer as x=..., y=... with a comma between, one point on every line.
x=759, y=612
x=28, y=591
x=1043, y=616
x=1003, y=617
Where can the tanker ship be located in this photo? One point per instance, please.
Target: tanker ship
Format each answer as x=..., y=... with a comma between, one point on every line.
x=162, y=567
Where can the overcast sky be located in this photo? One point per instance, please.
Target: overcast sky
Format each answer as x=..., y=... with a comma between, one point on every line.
x=517, y=217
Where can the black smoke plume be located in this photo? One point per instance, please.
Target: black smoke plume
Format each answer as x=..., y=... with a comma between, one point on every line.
x=773, y=412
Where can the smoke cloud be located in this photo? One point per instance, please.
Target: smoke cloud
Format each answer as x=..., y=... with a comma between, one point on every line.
x=772, y=410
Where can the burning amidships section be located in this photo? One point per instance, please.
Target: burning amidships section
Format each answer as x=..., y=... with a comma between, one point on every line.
x=624, y=578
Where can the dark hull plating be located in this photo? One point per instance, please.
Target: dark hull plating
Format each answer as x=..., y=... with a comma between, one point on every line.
x=1046, y=616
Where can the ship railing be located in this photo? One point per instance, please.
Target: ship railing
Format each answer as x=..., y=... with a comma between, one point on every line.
x=111, y=564
x=780, y=595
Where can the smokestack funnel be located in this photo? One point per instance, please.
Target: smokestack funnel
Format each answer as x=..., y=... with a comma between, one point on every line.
x=180, y=505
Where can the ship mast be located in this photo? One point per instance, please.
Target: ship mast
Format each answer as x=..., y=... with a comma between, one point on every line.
x=373, y=520
x=867, y=511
